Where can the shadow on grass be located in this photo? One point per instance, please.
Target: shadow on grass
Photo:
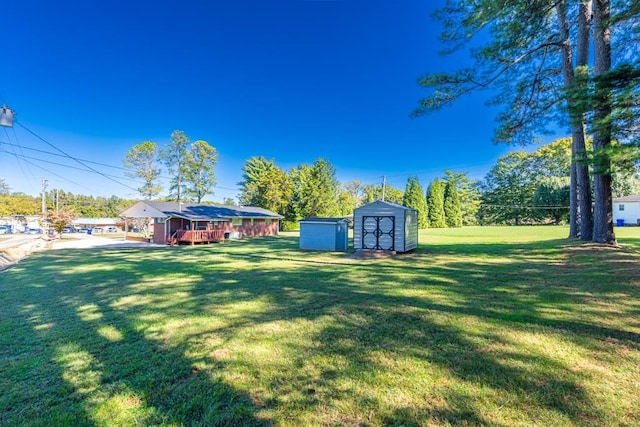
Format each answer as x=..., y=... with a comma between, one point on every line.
x=374, y=323
x=80, y=361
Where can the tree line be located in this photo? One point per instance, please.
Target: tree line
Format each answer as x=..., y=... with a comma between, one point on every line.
x=535, y=187
x=12, y=203
x=314, y=191
x=520, y=188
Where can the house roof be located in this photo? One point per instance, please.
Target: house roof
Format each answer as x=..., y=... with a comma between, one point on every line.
x=635, y=198
x=95, y=221
x=194, y=212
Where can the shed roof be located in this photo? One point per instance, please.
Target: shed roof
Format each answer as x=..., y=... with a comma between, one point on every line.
x=382, y=202
x=634, y=198
x=195, y=212
x=323, y=220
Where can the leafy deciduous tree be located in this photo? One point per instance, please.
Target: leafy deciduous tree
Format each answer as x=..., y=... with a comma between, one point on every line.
x=60, y=219
x=228, y=201
x=508, y=189
x=374, y=192
x=351, y=197
x=4, y=187
x=551, y=199
x=199, y=164
x=19, y=204
x=141, y=160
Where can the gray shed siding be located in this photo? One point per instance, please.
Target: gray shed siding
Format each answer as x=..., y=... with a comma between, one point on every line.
x=411, y=230
x=405, y=232
x=324, y=236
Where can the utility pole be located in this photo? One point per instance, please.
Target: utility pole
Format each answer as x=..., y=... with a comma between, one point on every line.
x=384, y=185
x=7, y=116
x=57, y=200
x=44, y=196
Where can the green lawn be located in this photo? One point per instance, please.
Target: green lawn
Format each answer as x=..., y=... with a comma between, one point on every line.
x=500, y=326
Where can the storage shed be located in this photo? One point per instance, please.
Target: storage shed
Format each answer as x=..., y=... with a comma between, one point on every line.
x=385, y=226
x=324, y=234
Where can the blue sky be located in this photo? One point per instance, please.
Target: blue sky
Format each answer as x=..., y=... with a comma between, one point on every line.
x=291, y=80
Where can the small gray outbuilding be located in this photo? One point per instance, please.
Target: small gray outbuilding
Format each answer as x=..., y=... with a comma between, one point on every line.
x=324, y=234
x=385, y=226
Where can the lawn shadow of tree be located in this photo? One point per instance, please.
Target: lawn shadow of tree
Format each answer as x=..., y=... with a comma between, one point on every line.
x=374, y=323
x=99, y=361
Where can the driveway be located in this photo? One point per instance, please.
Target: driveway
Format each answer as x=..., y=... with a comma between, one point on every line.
x=81, y=240
x=20, y=246
x=11, y=240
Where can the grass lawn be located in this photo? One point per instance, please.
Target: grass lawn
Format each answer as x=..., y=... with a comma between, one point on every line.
x=500, y=326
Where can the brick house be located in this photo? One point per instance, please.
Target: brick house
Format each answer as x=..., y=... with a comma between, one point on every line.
x=174, y=222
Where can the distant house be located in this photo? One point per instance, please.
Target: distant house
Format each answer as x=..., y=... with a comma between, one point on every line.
x=324, y=234
x=626, y=210
x=192, y=223
x=385, y=226
x=94, y=222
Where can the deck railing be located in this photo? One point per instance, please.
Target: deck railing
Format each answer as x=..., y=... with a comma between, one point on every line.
x=199, y=236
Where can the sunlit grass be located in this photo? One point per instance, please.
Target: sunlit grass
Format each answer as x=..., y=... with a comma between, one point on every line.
x=483, y=325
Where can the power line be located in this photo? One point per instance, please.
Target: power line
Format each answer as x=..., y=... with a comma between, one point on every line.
x=48, y=161
x=62, y=155
x=12, y=149
x=52, y=173
x=95, y=163
x=423, y=172
x=74, y=158
x=487, y=205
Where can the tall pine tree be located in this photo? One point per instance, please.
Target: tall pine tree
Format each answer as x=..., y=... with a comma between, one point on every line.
x=414, y=198
x=317, y=190
x=435, y=203
x=175, y=158
x=452, y=208
x=536, y=57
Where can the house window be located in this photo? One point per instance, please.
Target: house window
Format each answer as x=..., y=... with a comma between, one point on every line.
x=236, y=221
x=268, y=220
x=621, y=207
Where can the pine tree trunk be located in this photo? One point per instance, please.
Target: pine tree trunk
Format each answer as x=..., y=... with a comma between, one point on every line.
x=580, y=214
x=573, y=201
x=603, y=209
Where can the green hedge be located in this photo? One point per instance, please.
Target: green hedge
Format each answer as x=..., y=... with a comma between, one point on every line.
x=289, y=226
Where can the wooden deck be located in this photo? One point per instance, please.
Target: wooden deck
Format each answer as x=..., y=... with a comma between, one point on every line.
x=195, y=236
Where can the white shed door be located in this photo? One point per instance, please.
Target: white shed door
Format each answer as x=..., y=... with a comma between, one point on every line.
x=378, y=232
